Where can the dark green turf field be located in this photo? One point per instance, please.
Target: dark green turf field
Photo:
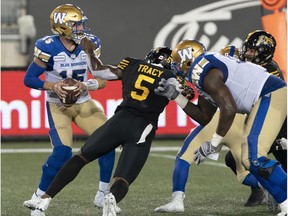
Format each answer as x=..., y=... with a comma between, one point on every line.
x=212, y=188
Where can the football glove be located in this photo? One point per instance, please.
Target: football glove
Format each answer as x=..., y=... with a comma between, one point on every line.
x=281, y=144
x=203, y=151
x=188, y=92
x=169, y=88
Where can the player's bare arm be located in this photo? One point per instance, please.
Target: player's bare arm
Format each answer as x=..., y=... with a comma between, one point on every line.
x=202, y=112
x=98, y=70
x=216, y=88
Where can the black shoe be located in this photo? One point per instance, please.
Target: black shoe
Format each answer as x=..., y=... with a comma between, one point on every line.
x=256, y=197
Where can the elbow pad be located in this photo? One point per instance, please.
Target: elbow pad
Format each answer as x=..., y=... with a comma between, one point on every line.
x=31, y=78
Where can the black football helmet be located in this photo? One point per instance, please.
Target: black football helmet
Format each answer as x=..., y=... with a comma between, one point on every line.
x=161, y=56
x=261, y=41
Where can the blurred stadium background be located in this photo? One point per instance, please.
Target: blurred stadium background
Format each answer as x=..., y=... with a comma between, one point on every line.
x=126, y=28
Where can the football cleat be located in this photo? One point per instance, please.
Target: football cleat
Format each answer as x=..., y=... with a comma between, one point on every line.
x=256, y=197
x=272, y=204
x=282, y=214
x=176, y=204
x=269, y=200
x=36, y=212
x=283, y=207
x=99, y=200
x=40, y=204
x=109, y=208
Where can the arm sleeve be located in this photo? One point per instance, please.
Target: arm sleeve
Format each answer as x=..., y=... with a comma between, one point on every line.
x=32, y=79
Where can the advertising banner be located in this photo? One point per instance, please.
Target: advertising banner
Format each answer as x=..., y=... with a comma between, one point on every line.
x=23, y=109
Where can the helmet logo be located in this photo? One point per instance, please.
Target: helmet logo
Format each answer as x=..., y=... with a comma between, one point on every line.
x=186, y=54
x=59, y=17
x=263, y=39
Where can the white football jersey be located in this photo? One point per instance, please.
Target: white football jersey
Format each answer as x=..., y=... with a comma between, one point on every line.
x=62, y=64
x=245, y=80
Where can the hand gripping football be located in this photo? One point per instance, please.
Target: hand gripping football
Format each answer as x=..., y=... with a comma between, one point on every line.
x=70, y=87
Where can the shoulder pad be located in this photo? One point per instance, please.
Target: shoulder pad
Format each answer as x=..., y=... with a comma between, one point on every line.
x=43, y=47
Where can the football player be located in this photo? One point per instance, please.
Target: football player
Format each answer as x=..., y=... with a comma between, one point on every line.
x=233, y=86
x=232, y=140
x=199, y=134
x=59, y=57
x=259, y=47
x=133, y=125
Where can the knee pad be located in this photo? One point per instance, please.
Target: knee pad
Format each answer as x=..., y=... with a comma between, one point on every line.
x=263, y=166
x=119, y=188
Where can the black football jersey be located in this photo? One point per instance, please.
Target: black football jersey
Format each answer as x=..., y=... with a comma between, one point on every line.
x=273, y=68
x=138, y=83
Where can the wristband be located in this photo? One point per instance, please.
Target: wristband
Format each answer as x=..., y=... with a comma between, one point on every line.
x=181, y=100
x=91, y=84
x=216, y=139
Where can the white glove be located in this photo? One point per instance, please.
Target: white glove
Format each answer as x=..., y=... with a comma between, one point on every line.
x=203, y=151
x=169, y=88
x=282, y=143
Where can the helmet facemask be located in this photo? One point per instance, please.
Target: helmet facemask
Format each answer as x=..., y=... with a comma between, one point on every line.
x=76, y=34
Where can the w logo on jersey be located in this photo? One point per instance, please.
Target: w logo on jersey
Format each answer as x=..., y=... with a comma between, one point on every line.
x=59, y=17
x=186, y=54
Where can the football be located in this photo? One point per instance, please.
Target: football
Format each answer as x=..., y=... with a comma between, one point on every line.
x=71, y=97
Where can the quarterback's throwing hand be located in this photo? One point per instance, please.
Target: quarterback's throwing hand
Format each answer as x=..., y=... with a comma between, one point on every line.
x=203, y=151
x=169, y=88
x=87, y=45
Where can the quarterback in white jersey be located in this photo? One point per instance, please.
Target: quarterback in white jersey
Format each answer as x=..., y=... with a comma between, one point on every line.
x=237, y=87
x=62, y=63
x=59, y=57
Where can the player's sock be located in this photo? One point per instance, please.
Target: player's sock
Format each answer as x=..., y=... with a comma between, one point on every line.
x=69, y=172
x=53, y=164
x=39, y=192
x=103, y=186
x=106, y=164
x=180, y=174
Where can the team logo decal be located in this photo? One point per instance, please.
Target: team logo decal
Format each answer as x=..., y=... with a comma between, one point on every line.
x=59, y=17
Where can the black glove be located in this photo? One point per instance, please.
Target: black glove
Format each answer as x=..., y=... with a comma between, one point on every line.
x=188, y=92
